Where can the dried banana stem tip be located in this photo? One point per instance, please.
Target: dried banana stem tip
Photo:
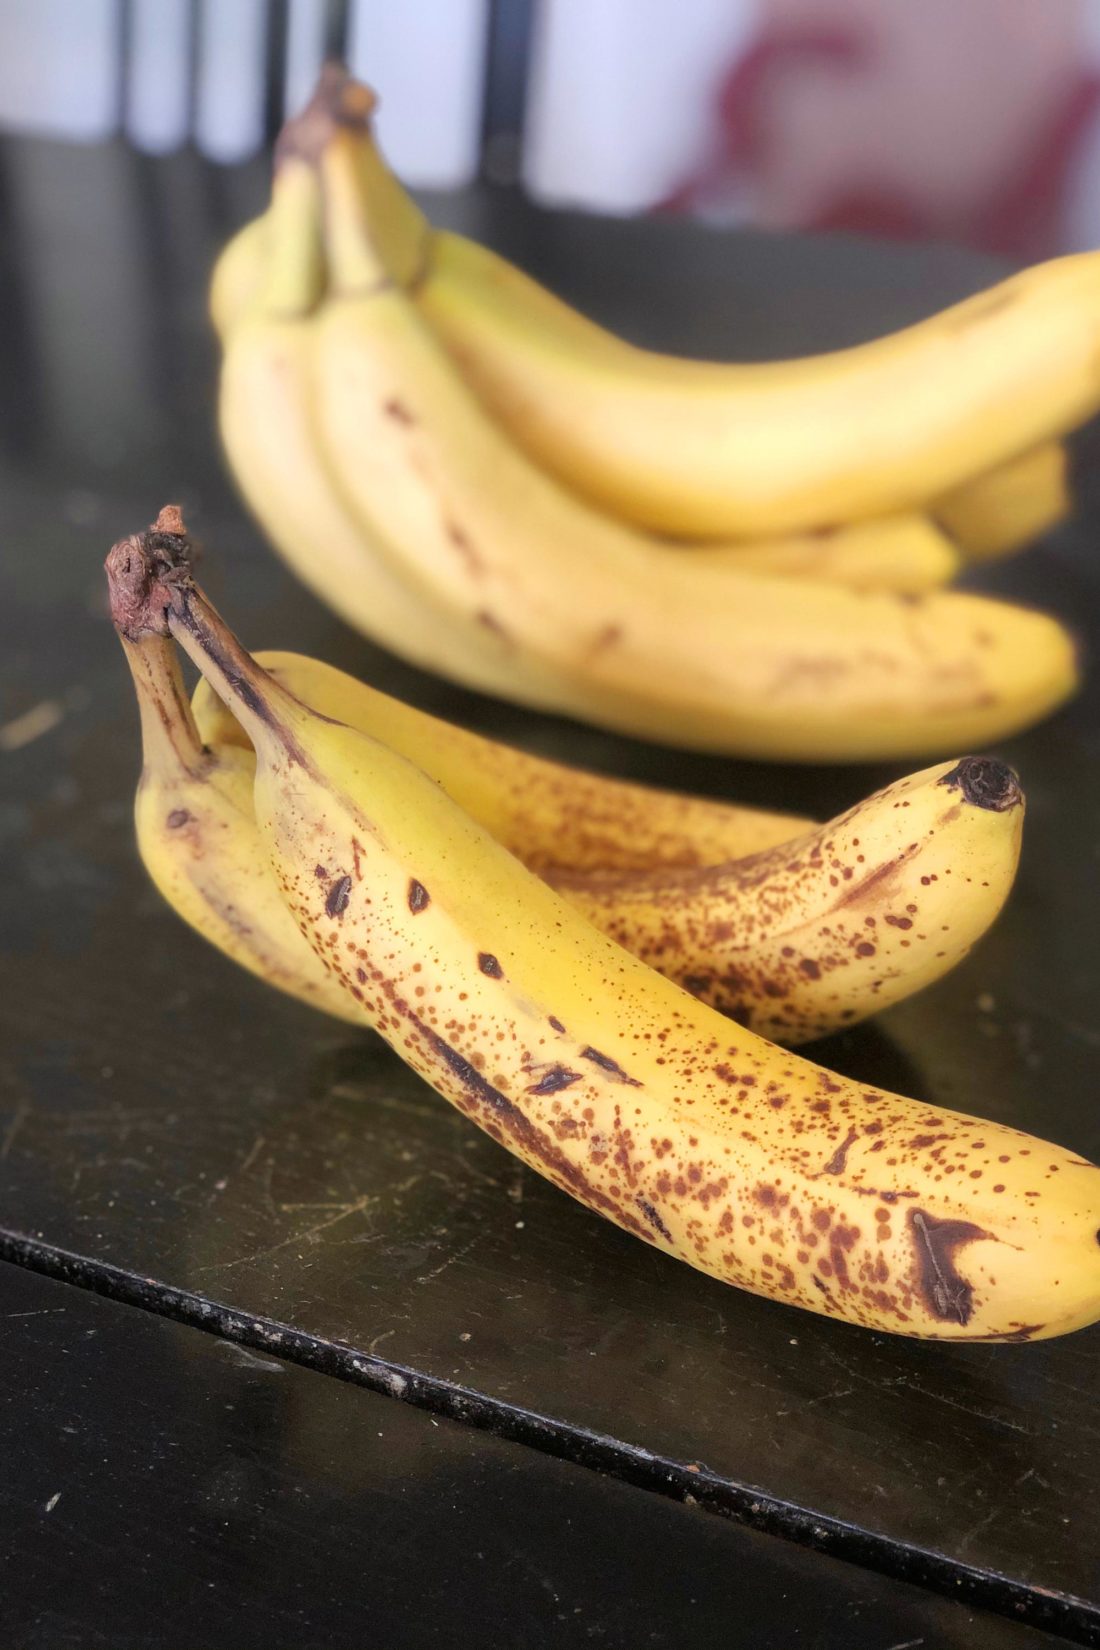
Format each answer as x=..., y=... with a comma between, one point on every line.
x=143, y=569
x=337, y=100
x=986, y=783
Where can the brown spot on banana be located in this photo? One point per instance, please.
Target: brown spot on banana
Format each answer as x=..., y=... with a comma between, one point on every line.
x=338, y=896
x=836, y=1163
x=612, y=1067
x=945, y=1292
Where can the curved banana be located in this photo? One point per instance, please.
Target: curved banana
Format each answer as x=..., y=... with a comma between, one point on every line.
x=907, y=553
x=746, y=1161
x=267, y=428
x=701, y=449
x=550, y=815
x=806, y=938
x=996, y=513
x=196, y=834
x=709, y=450
x=816, y=934
x=627, y=635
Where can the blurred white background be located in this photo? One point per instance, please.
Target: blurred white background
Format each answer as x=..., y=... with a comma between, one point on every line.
x=975, y=122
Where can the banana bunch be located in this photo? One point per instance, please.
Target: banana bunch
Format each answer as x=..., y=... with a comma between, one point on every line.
x=693, y=1133
x=489, y=485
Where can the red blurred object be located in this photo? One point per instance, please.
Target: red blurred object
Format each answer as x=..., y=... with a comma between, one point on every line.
x=789, y=144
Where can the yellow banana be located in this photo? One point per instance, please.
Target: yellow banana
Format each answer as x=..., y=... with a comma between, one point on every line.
x=906, y=553
x=998, y=512
x=702, y=449
x=550, y=815
x=196, y=834
x=625, y=634
x=817, y=934
x=238, y=276
x=267, y=428
x=672, y=444
x=814, y=934
x=703, y=1139
x=796, y=936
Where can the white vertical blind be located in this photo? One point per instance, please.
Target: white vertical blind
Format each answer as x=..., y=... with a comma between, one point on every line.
x=59, y=67
x=304, y=50
x=157, y=95
x=231, y=73
x=425, y=58
x=620, y=95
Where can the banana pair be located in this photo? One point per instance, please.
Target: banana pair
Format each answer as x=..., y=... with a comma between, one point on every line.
x=412, y=482
x=790, y=928
x=685, y=1129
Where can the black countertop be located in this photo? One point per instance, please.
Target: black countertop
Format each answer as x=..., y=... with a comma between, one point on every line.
x=175, y=1135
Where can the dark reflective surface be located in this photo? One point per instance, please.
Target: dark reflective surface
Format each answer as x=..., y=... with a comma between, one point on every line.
x=164, y=1488
x=164, y=1114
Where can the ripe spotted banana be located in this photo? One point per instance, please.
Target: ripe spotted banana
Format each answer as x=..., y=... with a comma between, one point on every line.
x=550, y=815
x=621, y=633
x=743, y=1160
x=815, y=933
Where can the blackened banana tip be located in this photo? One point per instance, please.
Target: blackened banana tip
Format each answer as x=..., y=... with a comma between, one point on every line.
x=141, y=570
x=985, y=782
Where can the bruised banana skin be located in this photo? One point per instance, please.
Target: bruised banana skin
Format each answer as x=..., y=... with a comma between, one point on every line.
x=742, y=1159
x=196, y=834
x=814, y=935
x=630, y=636
x=550, y=815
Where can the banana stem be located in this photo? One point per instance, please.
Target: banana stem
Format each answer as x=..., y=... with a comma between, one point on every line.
x=154, y=595
x=169, y=738
x=355, y=261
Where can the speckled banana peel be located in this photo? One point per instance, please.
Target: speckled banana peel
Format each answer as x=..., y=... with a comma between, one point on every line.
x=810, y=934
x=196, y=834
x=550, y=815
x=819, y=933
x=702, y=1139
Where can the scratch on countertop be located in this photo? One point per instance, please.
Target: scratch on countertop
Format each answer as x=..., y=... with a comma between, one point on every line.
x=308, y=1234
